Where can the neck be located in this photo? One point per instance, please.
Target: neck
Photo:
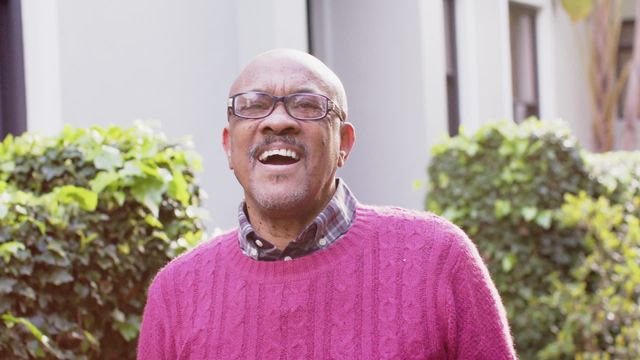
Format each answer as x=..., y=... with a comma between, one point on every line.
x=278, y=231
x=280, y=227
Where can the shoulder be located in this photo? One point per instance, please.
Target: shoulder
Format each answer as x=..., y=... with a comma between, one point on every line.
x=418, y=229
x=198, y=259
x=410, y=221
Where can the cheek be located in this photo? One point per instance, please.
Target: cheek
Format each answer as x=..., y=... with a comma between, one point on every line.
x=328, y=151
x=237, y=152
x=240, y=142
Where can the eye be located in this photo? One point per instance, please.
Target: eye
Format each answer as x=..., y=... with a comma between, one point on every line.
x=307, y=102
x=256, y=105
x=252, y=102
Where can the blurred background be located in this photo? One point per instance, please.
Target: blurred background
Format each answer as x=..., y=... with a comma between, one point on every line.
x=414, y=72
x=443, y=94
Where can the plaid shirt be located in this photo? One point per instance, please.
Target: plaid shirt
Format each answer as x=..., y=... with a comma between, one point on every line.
x=326, y=229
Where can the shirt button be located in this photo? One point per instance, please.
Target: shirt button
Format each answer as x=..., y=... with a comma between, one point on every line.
x=259, y=243
x=322, y=242
x=287, y=258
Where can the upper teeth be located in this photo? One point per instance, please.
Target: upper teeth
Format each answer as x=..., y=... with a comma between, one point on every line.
x=281, y=152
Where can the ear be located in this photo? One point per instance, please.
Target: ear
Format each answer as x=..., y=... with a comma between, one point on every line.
x=226, y=144
x=347, y=139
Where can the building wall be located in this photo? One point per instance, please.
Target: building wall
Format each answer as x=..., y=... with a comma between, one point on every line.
x=483, y=62
x=107, y=61
x=42, y=66
x=572, y=87
x=390, y=57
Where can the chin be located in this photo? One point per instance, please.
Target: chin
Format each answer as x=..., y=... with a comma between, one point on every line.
x=285, y=199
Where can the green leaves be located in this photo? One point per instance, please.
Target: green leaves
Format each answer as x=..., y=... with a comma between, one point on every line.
x=148, y=191
x=86, y=219
x=544, y=219
x=59, y=277
x=86, y=199
x=10, y=248
x=502, y=208
x=577, y=9
x=6, y=285
x=109, y=158
x=178, y=188
x=529, y=213
x=128, y=327
x=600, y=301
x=521, y=192
x=102, y=180
x=10, y=321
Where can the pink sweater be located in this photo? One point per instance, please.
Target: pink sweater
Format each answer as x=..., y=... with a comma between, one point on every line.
x=397, y=285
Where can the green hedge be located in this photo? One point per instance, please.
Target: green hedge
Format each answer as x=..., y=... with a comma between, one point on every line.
x=619, y=173
x=505, y=185
x=600, y=303
x=86, y=220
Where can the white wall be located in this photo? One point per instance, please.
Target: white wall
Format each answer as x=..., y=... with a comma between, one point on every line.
x=117, y=61
x=390, y=57
x=484, y=61
x=628, y=9
x=42, y=66
x=573, y=97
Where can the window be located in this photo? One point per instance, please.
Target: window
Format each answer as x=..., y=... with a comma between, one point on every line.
x=452, y=66
x=12, y=89
x=310, y=27
x=524, y=67
x=625, y=52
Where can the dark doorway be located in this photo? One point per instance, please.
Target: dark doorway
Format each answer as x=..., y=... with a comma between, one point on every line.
x=13, y=112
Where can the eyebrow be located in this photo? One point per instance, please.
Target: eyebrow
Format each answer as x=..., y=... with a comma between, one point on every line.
x=308, y=90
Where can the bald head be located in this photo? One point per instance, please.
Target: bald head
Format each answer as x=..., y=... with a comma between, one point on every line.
x=286, y=71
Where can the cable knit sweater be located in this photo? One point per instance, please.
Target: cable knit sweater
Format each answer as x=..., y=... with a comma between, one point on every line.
x=397, y=285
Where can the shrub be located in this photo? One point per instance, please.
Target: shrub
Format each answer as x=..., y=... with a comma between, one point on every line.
x=502, y=185
x=619, y=173
x=86, y=219
x=505, y=185
x=600, y=304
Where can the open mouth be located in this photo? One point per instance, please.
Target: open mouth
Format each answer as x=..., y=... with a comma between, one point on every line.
x=279, y=157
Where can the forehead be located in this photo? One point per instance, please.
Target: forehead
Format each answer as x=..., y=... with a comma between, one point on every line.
x=282, y=76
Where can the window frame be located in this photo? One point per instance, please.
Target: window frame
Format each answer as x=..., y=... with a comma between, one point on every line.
x=624, y=49
x=452, y=73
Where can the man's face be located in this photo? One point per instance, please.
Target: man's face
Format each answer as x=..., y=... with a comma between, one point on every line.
x=286, y=166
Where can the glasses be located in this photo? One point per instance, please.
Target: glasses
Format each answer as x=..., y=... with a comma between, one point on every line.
x=301, y=106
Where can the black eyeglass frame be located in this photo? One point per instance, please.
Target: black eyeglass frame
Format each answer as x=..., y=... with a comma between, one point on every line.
x=331, y=106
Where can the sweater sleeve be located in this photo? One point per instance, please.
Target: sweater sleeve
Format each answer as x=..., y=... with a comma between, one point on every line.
x=477, y=322
x=155, y=341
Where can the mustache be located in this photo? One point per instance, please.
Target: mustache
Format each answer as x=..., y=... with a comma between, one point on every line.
x=270, y=139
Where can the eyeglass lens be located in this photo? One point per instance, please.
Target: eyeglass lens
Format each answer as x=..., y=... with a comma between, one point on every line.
x=299, y=106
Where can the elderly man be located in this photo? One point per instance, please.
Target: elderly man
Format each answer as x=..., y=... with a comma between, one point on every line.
x=311, y=273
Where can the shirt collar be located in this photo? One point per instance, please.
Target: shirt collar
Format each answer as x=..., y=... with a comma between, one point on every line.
x=333, y=221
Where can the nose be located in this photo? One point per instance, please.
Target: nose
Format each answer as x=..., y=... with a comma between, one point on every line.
x=279, y=122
